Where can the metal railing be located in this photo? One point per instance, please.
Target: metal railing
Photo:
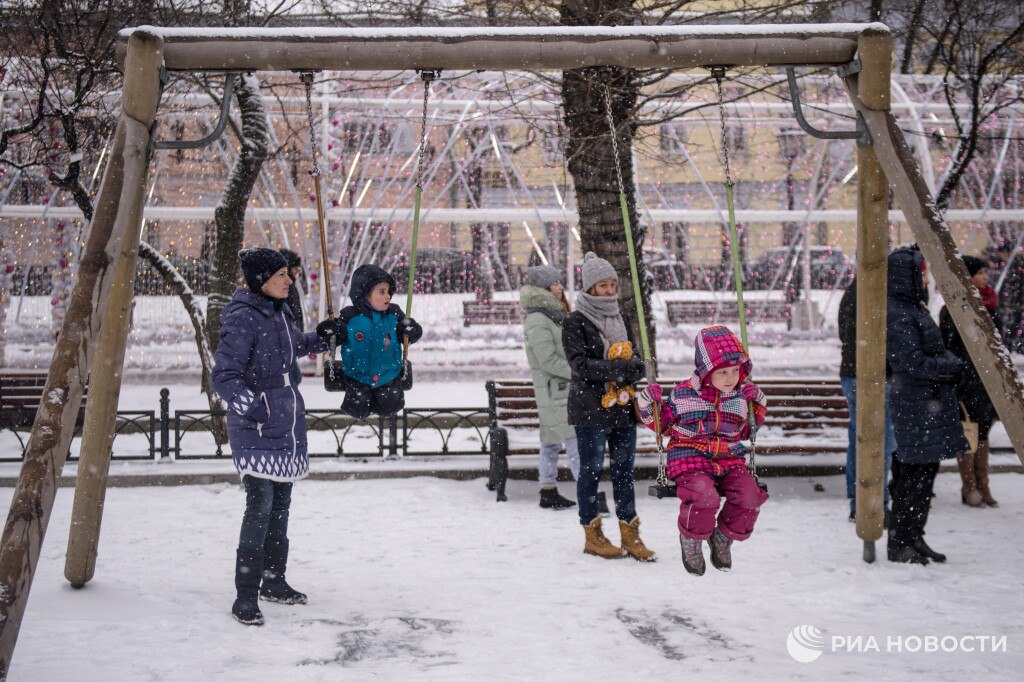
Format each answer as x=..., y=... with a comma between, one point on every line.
x=188, y=434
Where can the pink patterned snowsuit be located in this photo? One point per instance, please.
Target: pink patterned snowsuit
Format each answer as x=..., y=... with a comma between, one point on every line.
x=705, y=456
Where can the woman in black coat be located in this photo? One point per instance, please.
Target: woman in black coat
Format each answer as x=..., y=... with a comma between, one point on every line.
x=924, y=407
x=971, y=392
x=588, y=334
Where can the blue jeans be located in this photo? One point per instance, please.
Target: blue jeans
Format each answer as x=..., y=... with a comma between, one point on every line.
x=590, y=441
x=849, y=386
x=266, y=513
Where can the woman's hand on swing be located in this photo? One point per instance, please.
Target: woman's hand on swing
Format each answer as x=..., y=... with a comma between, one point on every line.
x=331, y=327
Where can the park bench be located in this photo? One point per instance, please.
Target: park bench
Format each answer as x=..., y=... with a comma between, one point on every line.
x=21, y=392
x=803, y=410
x=713, y=312
x=492, y=312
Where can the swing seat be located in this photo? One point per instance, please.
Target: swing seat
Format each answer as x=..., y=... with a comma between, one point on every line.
x=334, y=378
x=662, y=491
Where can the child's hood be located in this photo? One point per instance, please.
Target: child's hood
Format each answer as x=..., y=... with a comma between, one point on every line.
x=364, y=279
x=715, y=346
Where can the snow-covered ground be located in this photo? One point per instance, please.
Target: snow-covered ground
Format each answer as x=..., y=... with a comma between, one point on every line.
x=431, y=579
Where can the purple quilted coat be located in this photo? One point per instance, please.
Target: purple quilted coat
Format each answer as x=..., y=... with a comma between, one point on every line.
x=266, y=415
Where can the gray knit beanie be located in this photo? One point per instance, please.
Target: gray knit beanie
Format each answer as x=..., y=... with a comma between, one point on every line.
x=542, y=276
x=596, y=269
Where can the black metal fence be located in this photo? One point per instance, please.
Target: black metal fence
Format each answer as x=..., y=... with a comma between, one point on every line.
x=189, y=434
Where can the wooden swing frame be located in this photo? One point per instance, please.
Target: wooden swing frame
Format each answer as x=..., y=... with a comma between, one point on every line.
x=94, y=334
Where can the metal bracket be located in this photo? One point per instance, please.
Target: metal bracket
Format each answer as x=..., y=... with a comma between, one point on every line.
x=847, y=70
x=222, y=123
x=861, y=134
x=429, y=75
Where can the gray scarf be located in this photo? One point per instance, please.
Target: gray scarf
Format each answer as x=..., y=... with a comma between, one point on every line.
x=604, y=312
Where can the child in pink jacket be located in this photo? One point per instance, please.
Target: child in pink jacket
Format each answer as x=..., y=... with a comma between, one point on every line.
x=705, y=419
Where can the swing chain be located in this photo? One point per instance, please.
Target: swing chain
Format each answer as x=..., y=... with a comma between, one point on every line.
x=662, y=479
x=718, y=73
x=614, y=135
x=307, y=80
x=428, y=76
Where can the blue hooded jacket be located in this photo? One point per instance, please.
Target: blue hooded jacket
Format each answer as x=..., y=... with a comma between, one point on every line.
x=266, y=415
x=923, y=400
x=371, y=350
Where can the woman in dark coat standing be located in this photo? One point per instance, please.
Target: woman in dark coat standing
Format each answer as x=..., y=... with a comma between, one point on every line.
x=924, y=407
x=266, y=423
x=971, y=392
x=587, y=335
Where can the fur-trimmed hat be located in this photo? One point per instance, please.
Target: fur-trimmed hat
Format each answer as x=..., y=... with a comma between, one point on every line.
x=259, y=264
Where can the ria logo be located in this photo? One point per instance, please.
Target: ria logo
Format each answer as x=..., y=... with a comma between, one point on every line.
x=805, y=643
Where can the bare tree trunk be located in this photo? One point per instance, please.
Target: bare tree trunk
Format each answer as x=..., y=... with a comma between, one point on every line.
x=229, y=216
x=909, y=42
x=592, y=166
x=195, y=313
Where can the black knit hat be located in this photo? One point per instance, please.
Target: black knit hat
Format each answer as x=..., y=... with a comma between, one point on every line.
x=259, y=265
x=974, y=265
x=294, y=261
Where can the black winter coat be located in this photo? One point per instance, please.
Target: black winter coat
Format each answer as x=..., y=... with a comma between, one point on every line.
x=923, y=401
x=590, y=372
x=970, y=390
x=848, y=333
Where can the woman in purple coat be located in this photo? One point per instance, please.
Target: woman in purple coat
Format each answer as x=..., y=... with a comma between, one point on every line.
x=266, y=422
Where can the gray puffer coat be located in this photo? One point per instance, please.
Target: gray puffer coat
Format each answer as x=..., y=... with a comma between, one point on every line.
x=546, y=355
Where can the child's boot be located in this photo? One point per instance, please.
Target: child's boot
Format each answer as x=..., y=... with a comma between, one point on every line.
x=597, y=544
x=721, y=552
x=693, y=555
x=631, y=541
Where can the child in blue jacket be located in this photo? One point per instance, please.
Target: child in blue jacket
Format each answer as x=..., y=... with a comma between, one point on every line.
x=371, y=333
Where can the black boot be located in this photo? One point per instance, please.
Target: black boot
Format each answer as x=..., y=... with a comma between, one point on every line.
x=602, y=505
x=906, y=555
x=274, y=587
x=550, y=498
x=922, y=548
x=248, y=570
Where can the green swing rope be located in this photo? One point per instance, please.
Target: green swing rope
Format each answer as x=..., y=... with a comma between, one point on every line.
x=718, y=73
x=428, y=77
x=635, y=277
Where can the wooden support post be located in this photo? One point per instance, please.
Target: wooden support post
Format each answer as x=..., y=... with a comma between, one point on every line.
x=116, y=206
x=940, y=251
x=872, y=241
x=101, y=413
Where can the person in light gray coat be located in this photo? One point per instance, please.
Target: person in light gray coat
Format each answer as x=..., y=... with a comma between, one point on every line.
x=543, y=297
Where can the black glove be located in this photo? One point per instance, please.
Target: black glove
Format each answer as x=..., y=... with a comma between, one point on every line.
x=953, y=371
x=633, y=370
x=330, y=327
x=408, y=327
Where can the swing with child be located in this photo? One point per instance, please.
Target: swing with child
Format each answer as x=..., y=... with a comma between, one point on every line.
x=334, y=378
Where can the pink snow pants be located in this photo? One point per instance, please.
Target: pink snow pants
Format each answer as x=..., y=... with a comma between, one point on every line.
x=698, y=493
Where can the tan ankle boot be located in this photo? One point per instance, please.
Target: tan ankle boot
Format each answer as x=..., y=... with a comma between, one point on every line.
x=597, y=544
x=981, y=473
x=969, y=493
x=631, y=541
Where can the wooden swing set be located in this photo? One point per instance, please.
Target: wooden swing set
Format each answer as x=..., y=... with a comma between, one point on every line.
x=94, y=334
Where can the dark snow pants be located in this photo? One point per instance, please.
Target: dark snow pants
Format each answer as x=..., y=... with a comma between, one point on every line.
x=911, y=494
x=361, y=400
